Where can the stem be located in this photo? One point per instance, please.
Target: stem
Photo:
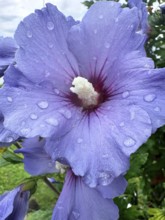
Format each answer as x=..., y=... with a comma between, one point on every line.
x=51, y=185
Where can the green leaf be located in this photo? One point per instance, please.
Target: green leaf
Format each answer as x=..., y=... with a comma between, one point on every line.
x=40, y=215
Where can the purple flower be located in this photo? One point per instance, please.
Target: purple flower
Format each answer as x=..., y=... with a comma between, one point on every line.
x=88, y=87
x=78, y=201
x=36, y=160
x=14, y=204
x=7, y=52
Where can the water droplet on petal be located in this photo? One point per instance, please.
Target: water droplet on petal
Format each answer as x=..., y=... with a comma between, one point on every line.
x=50, y=25
x=52, y=121
x=43, y=104
x=95, y=31
x=9, y=139
x=47, y=73
x=125, y=94
x=79, y=140
x=105, y=156
x=57, y=91
x=50, y=45
x=29, y=34
x=66, y=113
x=101, y=16
x=116, y=20
x=129, y=142
x=51, y=164
x=157, y=109
x=33, y=116
x=76, y=214
x=132, y=112
x=122, y=124
x=25, y=131
x=149, y=97
x=107, y=45
x=105, y=178
x=9, y=99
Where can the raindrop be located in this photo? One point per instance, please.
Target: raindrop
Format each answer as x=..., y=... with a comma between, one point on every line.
x=116, y=20
x=122, y=124
x=107, y=45
x=9, y=99
x=47, y=73
x=125, y=94
x=105, y=156
x=132, y=112
x=101, y=16
x=9, y=139
x=129, y=142
x=149, y=97
x=147, y=66
x=33, y=116
x=52, y=121
x=50, y=25
x=95, y=31
x=29, y=34
x=57, y=91
x=25, y=131
x=105, y=178
x=76, y=214
x=43, y=104
x=79, y=140
x=50, y=45
x=157, y=109
x=66, y=113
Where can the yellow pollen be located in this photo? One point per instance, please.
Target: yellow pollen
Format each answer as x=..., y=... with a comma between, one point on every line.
x=85, y=91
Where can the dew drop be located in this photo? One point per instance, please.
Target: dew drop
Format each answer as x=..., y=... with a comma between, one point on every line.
x=129, y=142
x=57, y=91
x=107, y=45
x=122, y=124
x=105, y=156
x=149, y=97
x=33, y=116
x=125, y=94
x=29, y=34
x=43, y=104
x=132, y=112
x=9, y=99
x=116, y=20
x=105, y=178
x=76, y=214
x=9, y=139
x=47, y=73
x=101, y=16
x=25, y=131
x=52, y=121
x=50, y=25
x=79, y=140
x=95, y=31
x=66, y=113
x=157, y=109
x=50, y=45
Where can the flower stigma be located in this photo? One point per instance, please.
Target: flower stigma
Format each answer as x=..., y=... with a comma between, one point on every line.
x=85, y=92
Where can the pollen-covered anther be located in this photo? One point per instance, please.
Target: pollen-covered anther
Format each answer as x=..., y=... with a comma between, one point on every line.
x=85, y=91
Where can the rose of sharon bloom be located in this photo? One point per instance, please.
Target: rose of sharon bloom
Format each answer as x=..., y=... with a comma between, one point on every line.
x=78, y=201
x=87, y=86
x=7, y=52
x=14, y=204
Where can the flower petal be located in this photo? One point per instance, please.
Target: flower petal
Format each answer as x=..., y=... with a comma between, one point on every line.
x=36, y=160
x=43, y=52
x=7, y=51
x=77, y=200
x=11, y=202
x=37, y=109
x=106, y=34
